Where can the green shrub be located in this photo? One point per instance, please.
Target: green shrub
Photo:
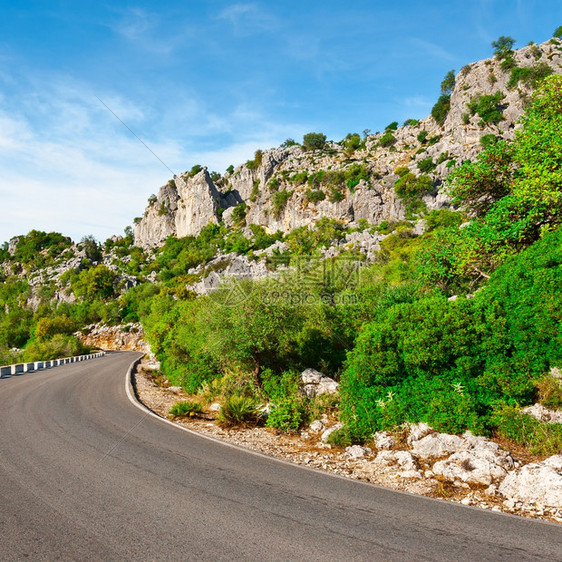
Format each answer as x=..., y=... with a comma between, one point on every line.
x=529, y=75
x=255, y=163
x=422, y=136
x=279, y=201
x=188, y=408
x=503, y=46
x=288, y=414
x=488, y=107
x=238, y=411
x=273, y=184
x=194, y=170
x=315, y=196
x=441, y=109
x=255, y=191
x=239, y=213
x=388, y=139
x=426, y=165
x=411, y=122
x=539, y=437
x=392, y=126
x=299, y=178
x=314, y=141
x=230, y=169
x=550, y=391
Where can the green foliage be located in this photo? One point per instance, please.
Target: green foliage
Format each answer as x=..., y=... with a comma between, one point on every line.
x=255, y=191
x=388, y=139
x=255, y=163
x=289, y=142
x=441, y=109
x=239, y=214
x=273, y=184
x=194, y=170
x=392, y=126
x=187, y=408
x=238, y=411
x=503, y=46
x=58, y=346
x=314, y=141
x=315, y=196
x=288, y=414
x=411, y=122
x=426, y=165
x=480, y=184
x=558, y=33
x=299, y=178
x=422, y=136
x=488, y=107
x=539, y=437
x=279, y=201
x=230, y=169
x=529, y=75
x=352, y=142
x=99, y=282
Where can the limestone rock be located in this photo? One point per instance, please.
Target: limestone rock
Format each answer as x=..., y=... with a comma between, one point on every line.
x=314, y=383
x=417, y=431
x=471, y=467
x=539, y=483
x=358, y=452
x=543, y=414
x=326, y=434
x=316, y=426
x=401, y=462
x=384, y=440
x=436, y=445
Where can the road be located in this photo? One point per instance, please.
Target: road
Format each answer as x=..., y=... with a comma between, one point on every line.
x=86, y=475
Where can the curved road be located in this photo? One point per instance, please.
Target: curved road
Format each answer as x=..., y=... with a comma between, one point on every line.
x=86, y=475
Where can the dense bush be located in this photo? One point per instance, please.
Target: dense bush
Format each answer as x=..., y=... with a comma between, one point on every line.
x=488, y=107
x=314, y=141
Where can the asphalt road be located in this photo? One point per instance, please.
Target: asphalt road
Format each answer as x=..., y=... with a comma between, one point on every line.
x=86, y=475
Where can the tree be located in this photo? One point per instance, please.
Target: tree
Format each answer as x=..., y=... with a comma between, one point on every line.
x=558, y=33
x=503, y=46
x=91, y=248
x=314, y=141
x=441, y=109
x=448, y=83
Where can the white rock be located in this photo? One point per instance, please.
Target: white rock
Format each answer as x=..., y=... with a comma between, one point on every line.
x=316, y=426
x=383, y=440
x=176, y=389
x=539, y=483
x=400, y=459
x=214, y=407
x=358, y=452
x=315, y=383
x=436, y=445
x=468, y=467
x=417, y=431
x=539, y=412
x=329, y=431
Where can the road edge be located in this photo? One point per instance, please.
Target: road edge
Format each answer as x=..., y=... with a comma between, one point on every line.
x=131, y=395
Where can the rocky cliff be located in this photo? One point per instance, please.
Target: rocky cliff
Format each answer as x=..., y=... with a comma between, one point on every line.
x=289, y=187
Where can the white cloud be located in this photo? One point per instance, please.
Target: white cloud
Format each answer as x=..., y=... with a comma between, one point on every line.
x=247, y=18
x=434, y=50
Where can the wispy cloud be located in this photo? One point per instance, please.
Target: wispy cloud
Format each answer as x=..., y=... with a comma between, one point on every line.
x=247, y=18
x=434, y=50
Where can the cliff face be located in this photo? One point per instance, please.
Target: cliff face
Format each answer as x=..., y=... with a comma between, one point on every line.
x=285, y=188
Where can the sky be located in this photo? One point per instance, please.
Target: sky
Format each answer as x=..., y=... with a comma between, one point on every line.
x=209, y=82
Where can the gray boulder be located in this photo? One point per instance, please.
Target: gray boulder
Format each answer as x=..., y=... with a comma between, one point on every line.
x=538, y=483
x=314, y=383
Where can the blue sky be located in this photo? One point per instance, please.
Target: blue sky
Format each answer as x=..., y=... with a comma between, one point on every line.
x=209, y=82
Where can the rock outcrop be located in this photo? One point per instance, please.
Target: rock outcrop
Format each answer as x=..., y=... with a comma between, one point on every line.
x=275, y=188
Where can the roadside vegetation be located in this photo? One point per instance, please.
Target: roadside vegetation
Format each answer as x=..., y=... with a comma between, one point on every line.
x=457, y=327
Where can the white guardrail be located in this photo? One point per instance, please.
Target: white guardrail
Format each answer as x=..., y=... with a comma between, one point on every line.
x=34, y=366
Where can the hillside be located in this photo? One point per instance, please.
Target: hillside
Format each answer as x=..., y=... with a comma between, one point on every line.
x=420, y=267
x=295, y=185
